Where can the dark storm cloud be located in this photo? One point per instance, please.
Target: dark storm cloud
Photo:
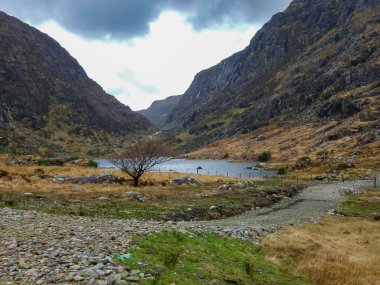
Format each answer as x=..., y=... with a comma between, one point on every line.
x=124, y=19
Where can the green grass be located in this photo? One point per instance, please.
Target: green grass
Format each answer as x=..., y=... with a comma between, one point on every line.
x=173, y=257
x=357, y=208
x=181, y=203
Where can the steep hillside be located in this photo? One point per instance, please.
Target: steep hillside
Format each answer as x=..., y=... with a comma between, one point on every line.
x=158, y=112
x=315, y=64
x=47, y=102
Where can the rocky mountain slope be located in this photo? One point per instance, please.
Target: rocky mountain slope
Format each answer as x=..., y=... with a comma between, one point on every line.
x=316, y=64
x=47, y=102
x=158, y=112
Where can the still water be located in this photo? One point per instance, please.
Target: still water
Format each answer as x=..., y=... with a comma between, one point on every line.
x=209, y=167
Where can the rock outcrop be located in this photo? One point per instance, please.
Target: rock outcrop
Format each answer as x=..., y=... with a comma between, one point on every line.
x=315, y=62
x=44, y=91
x=158, y=112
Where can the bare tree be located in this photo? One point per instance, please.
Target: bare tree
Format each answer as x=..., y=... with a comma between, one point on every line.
x=142, y=156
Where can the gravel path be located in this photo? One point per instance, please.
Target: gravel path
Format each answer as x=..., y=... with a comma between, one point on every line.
x=39, y=248
x=308, y=206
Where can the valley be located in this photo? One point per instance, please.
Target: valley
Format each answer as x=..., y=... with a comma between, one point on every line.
x=271, y=157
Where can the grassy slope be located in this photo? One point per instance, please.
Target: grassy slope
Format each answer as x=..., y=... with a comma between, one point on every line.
x=192, y=259
x=289, y=143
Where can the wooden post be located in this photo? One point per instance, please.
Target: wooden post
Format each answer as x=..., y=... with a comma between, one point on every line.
x=240, y=175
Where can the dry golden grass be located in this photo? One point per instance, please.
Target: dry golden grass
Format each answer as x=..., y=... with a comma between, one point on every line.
x=289, y=143
x=25, y=179
x=80, y=171
x=336, y=250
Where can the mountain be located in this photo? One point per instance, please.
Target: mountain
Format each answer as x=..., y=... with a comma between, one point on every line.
x=316, y=64
x=158, y=112
x=49, y=105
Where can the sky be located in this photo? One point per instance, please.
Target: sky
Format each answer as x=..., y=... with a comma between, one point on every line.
x=145, y=50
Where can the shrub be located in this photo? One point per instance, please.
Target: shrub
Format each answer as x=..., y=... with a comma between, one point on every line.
x=344, y=166
x=9, y=203
x=171, y=258
x=92, y=163
x=44, y=163
x=3, y=173
x=303, y=162
x=264, y=156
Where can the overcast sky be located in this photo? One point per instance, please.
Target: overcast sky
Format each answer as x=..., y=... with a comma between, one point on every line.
x=145, y=50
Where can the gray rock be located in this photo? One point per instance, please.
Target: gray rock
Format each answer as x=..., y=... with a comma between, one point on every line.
x=133, y=278
x=120, y=282
x=136, y=196
x=184, y=180
x=78, y=278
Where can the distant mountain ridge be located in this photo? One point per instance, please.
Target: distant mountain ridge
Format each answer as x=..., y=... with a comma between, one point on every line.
x=47, y=101
x=316, y=62
x=158, y=112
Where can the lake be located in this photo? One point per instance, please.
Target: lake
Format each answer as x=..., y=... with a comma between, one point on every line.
x=209, y=167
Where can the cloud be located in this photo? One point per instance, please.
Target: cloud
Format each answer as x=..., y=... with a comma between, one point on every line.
x=126, y=19
x=128, y=76
x=155, y=66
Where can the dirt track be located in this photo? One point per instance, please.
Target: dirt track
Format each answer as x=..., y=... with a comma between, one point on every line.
x=308, y=206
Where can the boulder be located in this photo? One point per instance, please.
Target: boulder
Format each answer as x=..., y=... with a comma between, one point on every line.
x=184, y=180
x=89, y=179
x=136, y=196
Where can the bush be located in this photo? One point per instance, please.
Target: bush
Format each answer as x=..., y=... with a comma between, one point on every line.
x=171, y=258
x=3, y=173
x=344, y=166
x=303, y=162
x=44, y=163
x=92, y=163
x=264, y=156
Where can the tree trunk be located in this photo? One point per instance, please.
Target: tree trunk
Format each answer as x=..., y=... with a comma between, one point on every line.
x=136, y=181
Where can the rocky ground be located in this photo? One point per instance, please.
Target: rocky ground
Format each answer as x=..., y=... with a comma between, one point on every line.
x=39, y=248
